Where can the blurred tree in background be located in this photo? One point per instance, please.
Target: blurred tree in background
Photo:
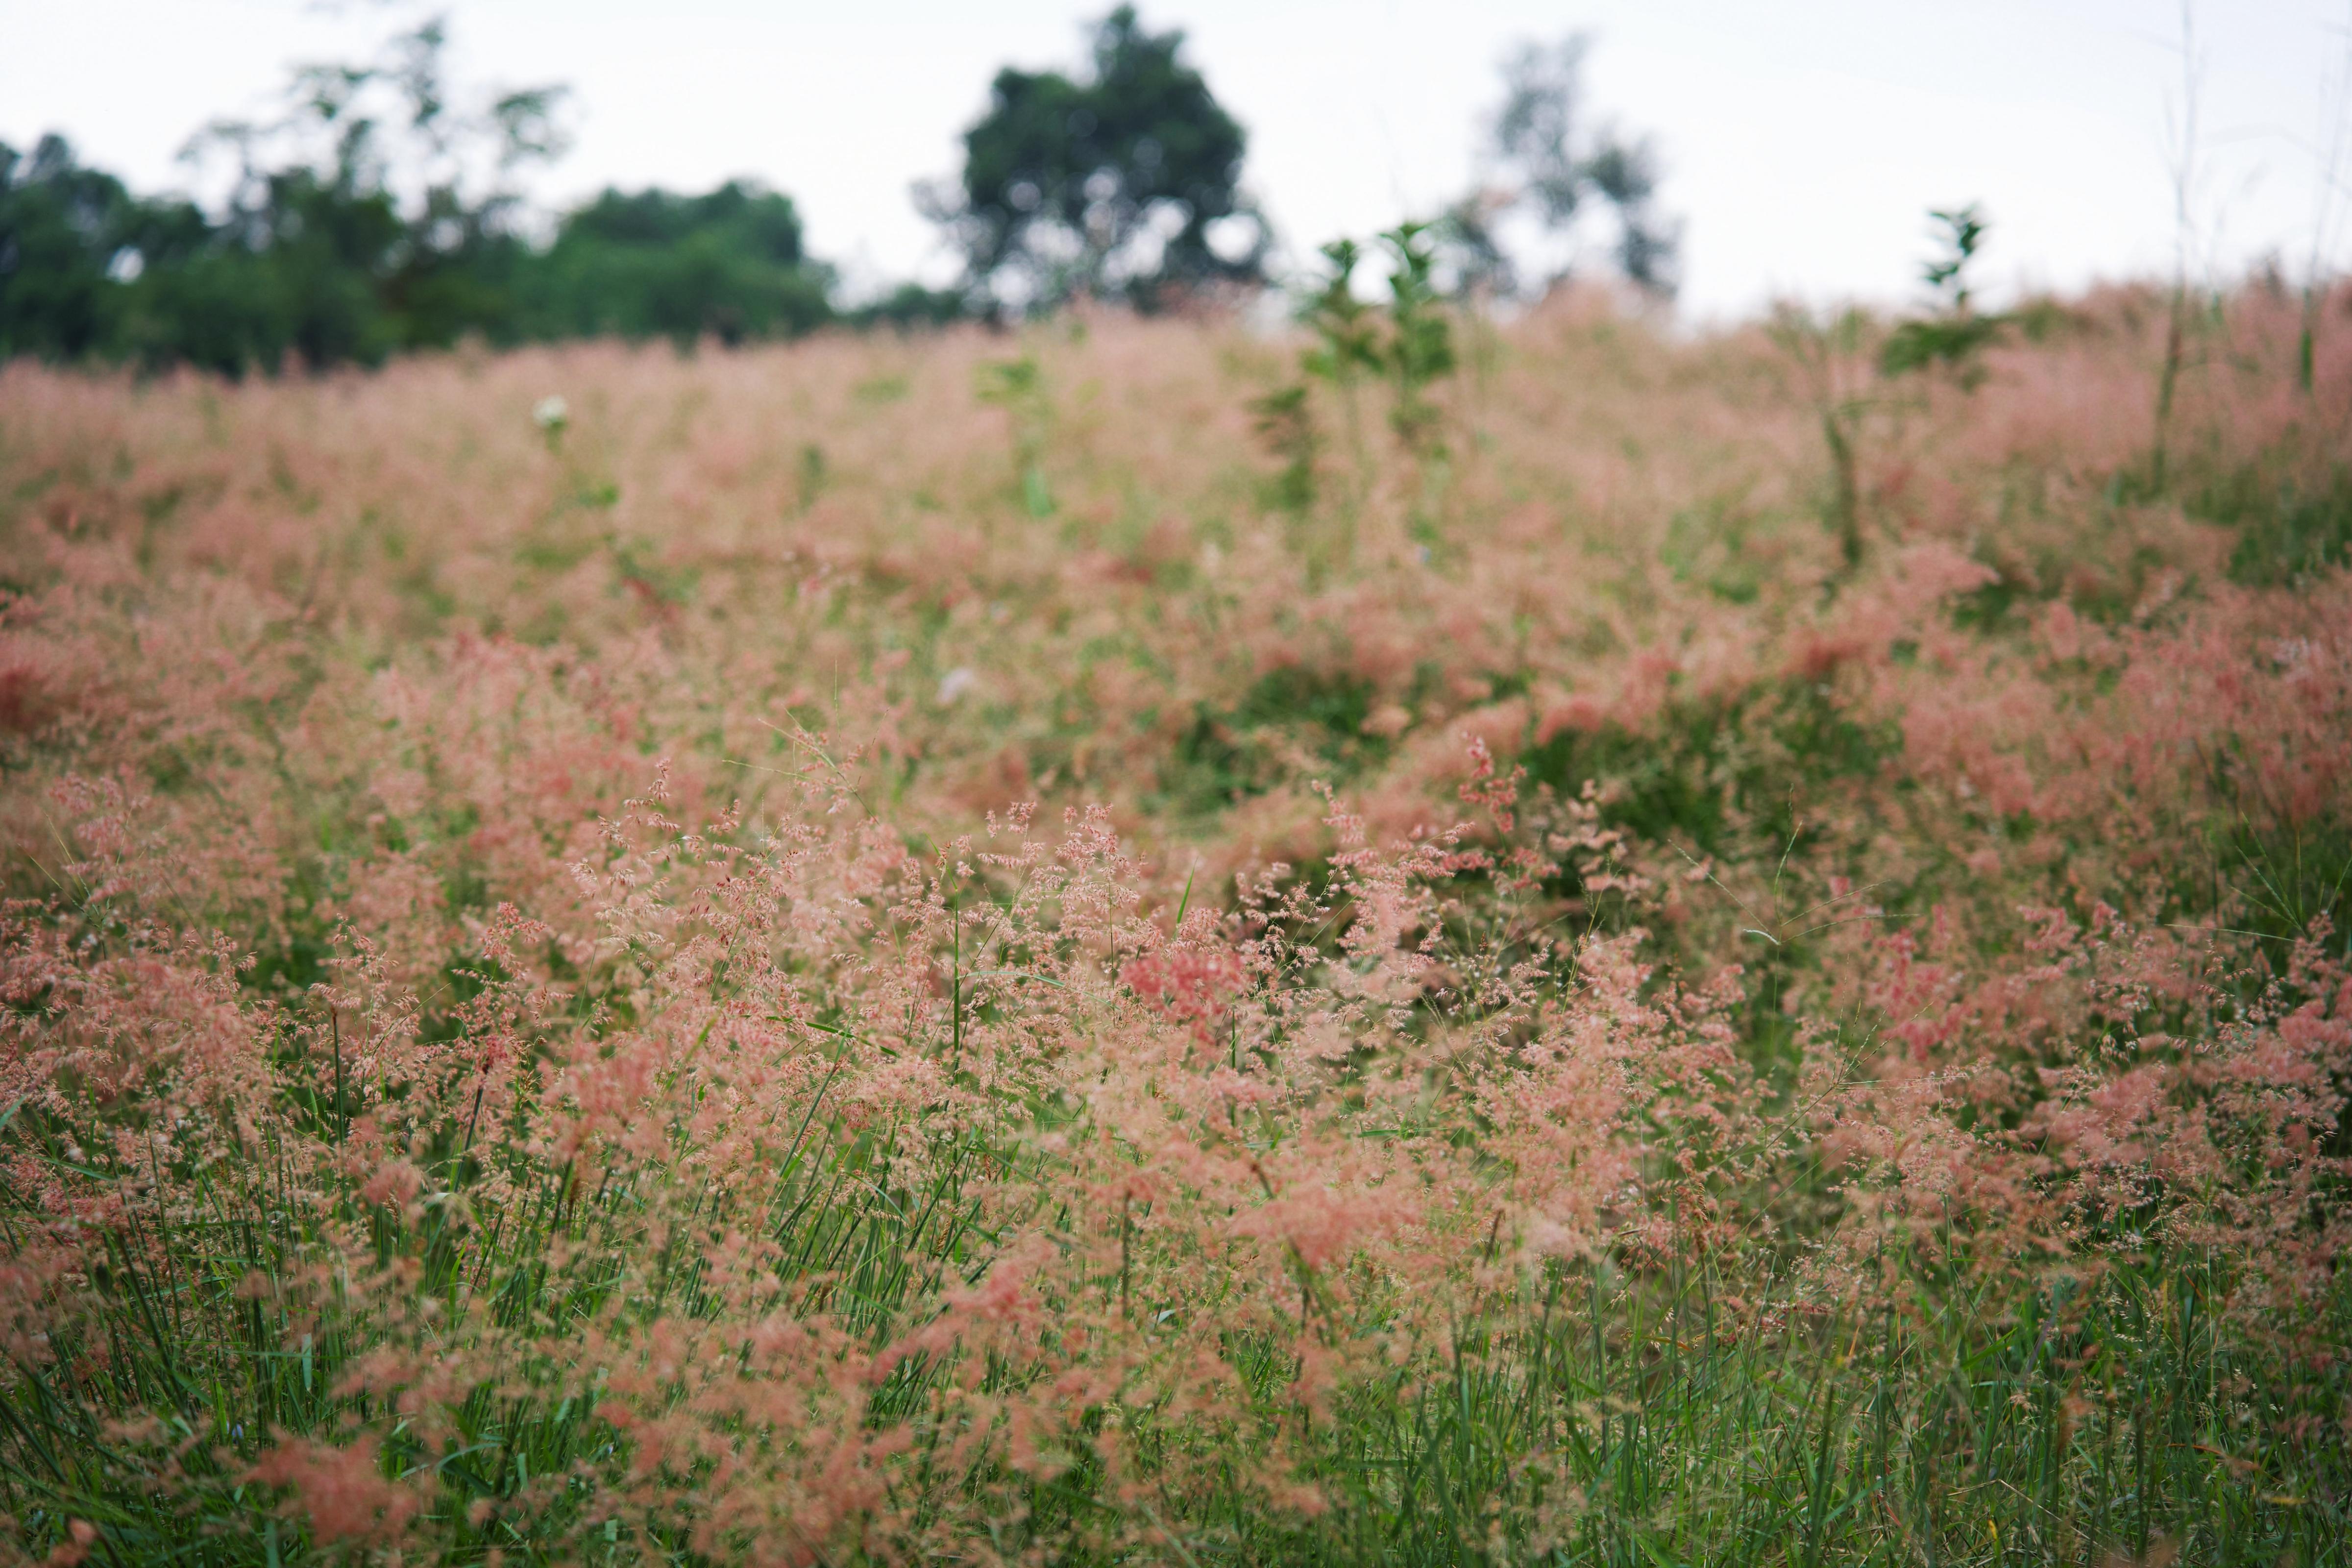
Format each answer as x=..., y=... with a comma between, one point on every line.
x=1552, y=171
x=60, y=224
x=1125, y=186
x=376, y=211
x=728, y=265
x=379, y=210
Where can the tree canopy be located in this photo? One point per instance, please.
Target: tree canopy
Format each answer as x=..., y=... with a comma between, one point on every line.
x=1124, y=184
x=1553, y=168
x=728, y=264
x=60, y=225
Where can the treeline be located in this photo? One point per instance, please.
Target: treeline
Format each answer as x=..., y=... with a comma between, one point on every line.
x=379, y=210
x=324, y=271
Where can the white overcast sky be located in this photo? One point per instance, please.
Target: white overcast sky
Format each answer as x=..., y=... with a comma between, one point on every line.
x=1804, y=139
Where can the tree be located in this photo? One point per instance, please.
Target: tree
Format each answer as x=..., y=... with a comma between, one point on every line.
x=375, y=212
x=730, y=264
x=378, y=211
x=372, y=214
x=1125, y=183
x=1553, y=172
x=61, y=227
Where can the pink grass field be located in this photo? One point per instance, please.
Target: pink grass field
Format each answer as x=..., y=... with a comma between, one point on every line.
x=874, y=960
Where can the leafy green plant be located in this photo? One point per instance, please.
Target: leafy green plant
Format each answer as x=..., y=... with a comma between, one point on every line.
x=1408, y=346
x=1420, y=348
x=1018, y=386
x=1825, y=353
x=1957, y=333
x=1347, y=344
x=1284, y=422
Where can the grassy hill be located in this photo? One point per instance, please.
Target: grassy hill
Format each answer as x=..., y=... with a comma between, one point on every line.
x=1072, y=947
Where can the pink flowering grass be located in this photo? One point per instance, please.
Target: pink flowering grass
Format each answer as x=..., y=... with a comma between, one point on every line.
x=835, y=964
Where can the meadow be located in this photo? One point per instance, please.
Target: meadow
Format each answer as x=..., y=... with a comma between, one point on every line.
x=1070, y=947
